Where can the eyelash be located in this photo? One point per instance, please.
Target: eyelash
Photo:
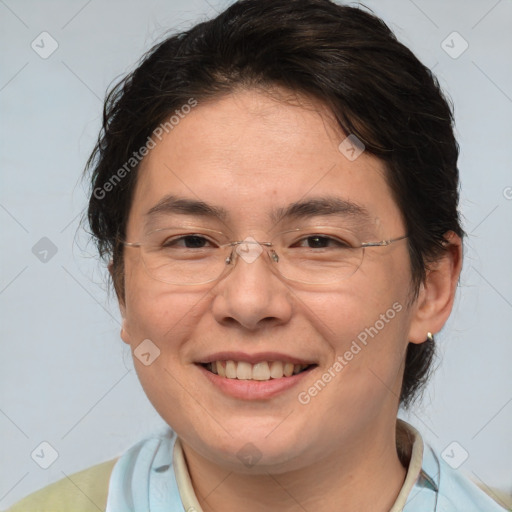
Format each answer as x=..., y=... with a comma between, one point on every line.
x=338, y=241
x=174, y=241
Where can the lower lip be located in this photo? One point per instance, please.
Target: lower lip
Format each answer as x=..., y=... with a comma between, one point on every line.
x=254, y=389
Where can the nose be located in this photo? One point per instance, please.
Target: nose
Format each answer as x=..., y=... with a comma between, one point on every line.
x=252, y=295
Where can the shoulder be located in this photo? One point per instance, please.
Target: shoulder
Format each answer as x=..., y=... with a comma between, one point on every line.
x=85, y=491
x=439, y=487
x=456, y=492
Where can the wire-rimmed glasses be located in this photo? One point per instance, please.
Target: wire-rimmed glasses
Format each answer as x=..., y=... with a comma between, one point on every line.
x=190, y=255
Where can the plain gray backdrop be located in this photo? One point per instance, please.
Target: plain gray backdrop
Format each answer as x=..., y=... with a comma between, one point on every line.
x=67, y=378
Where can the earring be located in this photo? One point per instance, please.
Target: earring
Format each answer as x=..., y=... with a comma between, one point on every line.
x=430, y=336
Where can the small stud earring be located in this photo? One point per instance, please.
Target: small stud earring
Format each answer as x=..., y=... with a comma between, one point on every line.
x=430, y=336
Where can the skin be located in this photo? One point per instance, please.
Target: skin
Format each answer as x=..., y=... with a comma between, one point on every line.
x=249, y=152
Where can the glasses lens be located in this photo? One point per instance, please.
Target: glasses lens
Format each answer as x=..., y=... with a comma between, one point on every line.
x=318, y=255
x=191, y=255
x=184, y=255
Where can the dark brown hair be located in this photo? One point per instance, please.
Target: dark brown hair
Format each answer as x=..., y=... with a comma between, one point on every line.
x=343, y=56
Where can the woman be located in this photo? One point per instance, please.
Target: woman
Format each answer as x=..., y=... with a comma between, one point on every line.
x=277, y=192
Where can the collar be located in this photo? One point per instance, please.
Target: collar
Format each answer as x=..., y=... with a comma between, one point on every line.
x=421, y=482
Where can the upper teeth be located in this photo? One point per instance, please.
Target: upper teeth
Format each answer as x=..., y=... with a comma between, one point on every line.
x=263, y=370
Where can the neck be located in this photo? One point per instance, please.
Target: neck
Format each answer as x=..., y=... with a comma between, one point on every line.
x=364, y=474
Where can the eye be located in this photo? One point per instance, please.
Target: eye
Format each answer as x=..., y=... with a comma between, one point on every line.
x=322, y=242
x=186, y=241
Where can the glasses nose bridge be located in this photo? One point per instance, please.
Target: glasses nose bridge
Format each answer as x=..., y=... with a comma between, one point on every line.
x=250, y=250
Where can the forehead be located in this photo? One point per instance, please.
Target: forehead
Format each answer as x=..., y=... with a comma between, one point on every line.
x=251, y=156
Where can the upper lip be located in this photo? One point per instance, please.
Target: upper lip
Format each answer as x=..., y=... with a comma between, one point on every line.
x=253, y=358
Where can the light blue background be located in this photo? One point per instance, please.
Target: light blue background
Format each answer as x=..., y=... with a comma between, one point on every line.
x=66, y=376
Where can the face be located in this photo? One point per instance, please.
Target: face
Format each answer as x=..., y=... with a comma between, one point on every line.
x=250, y=154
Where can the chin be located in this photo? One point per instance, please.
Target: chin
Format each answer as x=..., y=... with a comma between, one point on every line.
x=255, y=451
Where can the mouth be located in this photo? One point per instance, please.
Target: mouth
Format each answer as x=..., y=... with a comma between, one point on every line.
x=255, y=377
x=259, y=371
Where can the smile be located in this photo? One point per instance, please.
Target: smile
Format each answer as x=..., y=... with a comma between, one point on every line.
x=260, y=371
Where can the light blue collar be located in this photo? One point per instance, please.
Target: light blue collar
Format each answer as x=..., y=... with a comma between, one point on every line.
x=143, y=479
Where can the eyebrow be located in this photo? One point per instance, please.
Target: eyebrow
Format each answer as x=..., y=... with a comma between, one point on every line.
x=327, y=205
x=171, y=204
x=303, y=209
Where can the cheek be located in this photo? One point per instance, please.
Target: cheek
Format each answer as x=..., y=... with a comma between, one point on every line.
x=366, y=331
x=365, y=326
x=161, y=314
x=373, y=299
x=167, y=318
x=154, y=310
x=367, y=341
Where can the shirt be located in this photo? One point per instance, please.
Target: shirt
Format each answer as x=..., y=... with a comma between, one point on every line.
x=152, y=476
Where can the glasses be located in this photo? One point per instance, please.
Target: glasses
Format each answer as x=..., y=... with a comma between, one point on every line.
x=195, y=255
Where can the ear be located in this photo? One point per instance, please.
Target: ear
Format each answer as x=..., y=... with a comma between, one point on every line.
x=437, y=293
x=122, y=306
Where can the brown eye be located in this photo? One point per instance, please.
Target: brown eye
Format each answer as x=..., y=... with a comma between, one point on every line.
x=188, y=241
x=322, y=242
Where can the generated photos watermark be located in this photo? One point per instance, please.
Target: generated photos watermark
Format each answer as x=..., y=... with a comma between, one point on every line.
x=137, y=156
x=305, y=397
